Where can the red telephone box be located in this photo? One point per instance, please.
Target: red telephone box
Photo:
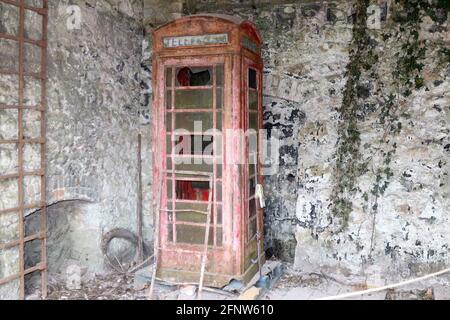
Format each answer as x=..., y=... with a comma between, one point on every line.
x=207, y=80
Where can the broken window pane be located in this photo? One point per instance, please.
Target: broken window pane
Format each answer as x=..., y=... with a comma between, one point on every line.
x=192, y=190
x=194, y=76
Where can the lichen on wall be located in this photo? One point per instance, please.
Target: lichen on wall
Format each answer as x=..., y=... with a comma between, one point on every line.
x=379, y=225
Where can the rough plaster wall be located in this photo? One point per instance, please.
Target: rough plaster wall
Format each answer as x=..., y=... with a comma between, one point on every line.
x=306, y=54
x=94, y=103
x=94, y=56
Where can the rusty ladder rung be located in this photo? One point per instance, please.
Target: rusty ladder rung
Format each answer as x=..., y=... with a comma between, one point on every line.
x=25, y=141
x=38, y=205
x=15, y=243
x=38, y=267
x=15, y=106
x=39, y=43
x=35, y=75
x=25, y=174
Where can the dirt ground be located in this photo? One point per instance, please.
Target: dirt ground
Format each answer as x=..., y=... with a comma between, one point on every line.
x=292, y=285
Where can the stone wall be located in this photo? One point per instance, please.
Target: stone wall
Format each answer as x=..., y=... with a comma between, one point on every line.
x=93, y=118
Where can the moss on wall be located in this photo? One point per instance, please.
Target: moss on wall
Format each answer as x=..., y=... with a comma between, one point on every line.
x=407, y=75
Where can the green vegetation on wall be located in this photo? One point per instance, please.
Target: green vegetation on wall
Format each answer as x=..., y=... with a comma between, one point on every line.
x=409, y=52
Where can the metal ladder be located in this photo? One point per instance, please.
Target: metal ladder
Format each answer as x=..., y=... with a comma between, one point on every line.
x=23, y=207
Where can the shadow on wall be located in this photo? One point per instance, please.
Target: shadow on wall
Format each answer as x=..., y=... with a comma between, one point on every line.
x=65, y=239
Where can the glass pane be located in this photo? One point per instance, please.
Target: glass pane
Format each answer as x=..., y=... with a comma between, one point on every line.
x=192, y=190
x=219, y=75
x=219, y=98
x=253, y=121
x=219, y=120
x=170, y=232
x=252, y=80
x=200, y=121
x=219, y=214
x=253, y=100
x=251, y=187
x=168, y=144
x=194, y=145
x=193, y=99
x=251, y=169
x=192, y=216
x=219, y=191
x=168, y=77
x=252, y=228
x=219, y=171
x=194, y=76
x=252, y=144
x=169, y=99
x=218, y=148
x=169, y=188
x=169, y=163
x=193, y=234
x=188, y=164
x=169, y=122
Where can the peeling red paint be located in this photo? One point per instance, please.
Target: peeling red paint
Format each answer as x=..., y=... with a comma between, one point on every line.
x=230, y=256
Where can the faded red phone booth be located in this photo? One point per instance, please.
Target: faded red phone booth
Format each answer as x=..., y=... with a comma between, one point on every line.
x=207, y=80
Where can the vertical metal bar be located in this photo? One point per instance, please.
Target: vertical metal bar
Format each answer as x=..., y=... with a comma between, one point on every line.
x=20, y=150
x=213, y=188
x=139, y=204
x=158, y=122
x=156, y=242
x=43, y=217
x=206, y=243
x=174, y=214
